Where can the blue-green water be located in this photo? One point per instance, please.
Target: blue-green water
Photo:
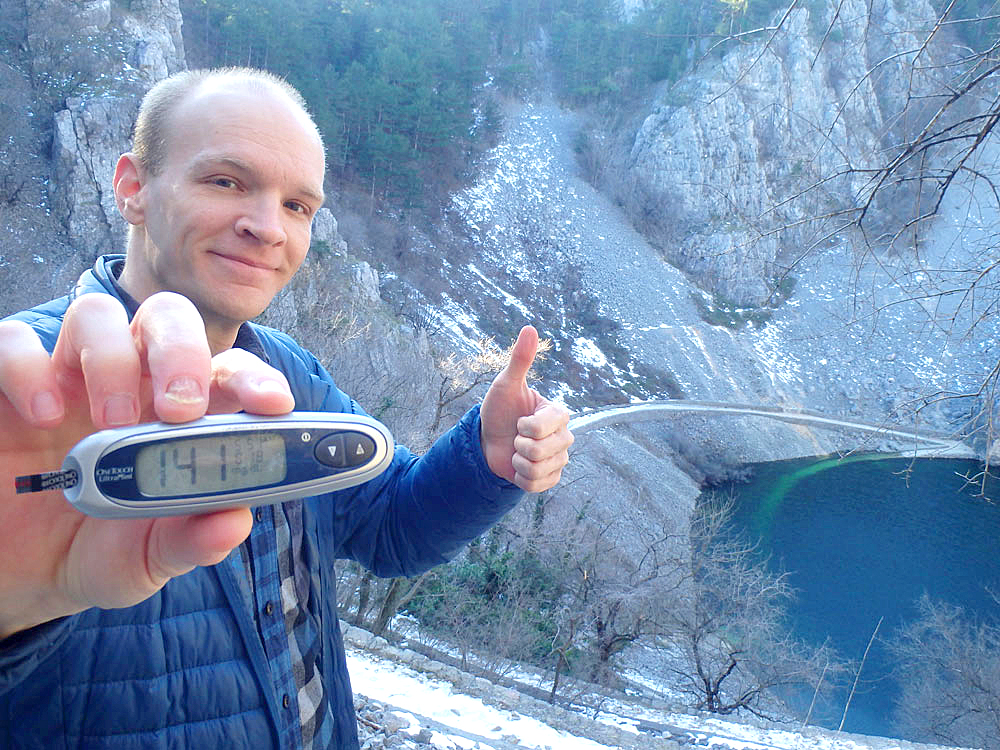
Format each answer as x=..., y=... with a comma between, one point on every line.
x=864, y=538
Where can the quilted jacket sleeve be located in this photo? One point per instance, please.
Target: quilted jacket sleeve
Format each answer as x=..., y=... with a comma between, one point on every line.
x=422, y=510
x=22, y=653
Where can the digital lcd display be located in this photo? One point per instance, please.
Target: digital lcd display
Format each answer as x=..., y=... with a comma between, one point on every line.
x=208, y=465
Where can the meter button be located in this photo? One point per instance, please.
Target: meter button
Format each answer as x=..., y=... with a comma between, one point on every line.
x=358, y=448
x=330, y=451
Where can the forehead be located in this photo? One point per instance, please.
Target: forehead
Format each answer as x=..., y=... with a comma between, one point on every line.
x=252, y=123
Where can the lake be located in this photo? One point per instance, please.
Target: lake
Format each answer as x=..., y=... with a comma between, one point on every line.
x=864, y=537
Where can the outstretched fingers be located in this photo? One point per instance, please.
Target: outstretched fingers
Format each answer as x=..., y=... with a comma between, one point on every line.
x=96, y=361
x=242, y=381
x=103, y=360
x=27, y=377
x=171, y=341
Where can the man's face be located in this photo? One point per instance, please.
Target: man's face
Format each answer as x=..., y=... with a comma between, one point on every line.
x=227, y=220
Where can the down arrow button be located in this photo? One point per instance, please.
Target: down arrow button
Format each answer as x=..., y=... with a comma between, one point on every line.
x=330, y=451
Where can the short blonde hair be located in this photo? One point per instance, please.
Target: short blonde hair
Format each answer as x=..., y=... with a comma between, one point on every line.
x=149, y=141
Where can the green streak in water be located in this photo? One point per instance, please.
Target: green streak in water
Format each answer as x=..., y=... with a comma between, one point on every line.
x=762, y=520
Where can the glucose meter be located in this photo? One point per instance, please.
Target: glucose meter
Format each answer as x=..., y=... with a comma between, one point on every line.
x=219, y=461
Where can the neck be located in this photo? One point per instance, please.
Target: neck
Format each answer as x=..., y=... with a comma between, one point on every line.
x=220, y=340
x=221, y=334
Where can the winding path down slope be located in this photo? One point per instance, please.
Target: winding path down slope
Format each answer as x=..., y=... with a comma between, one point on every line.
x=925, y=443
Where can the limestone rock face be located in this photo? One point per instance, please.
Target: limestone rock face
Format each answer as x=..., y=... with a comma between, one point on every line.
x=104, y=58
x=158, y=49
x=92, y=44
x=759, y=127
x=88, y=137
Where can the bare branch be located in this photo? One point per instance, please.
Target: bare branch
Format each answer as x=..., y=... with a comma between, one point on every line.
x=826, y=36
x=760, y=54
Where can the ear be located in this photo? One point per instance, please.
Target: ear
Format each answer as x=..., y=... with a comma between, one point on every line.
x=128, y=183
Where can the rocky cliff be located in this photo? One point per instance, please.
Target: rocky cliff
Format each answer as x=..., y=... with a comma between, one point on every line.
x=72, y=75
x=740, y=156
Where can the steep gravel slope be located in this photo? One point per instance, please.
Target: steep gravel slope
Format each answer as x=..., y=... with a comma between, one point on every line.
x=848, y=341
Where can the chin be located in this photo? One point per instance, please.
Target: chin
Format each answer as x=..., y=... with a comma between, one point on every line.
x=231, y=315
x=244, y=314
x=239, y=304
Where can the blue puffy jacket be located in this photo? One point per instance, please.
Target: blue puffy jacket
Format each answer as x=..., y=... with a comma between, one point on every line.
x=187, y=668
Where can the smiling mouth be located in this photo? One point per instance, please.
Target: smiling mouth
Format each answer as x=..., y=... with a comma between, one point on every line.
x=246, y=262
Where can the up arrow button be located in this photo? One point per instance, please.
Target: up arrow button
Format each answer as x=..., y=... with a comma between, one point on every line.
x=359, y=448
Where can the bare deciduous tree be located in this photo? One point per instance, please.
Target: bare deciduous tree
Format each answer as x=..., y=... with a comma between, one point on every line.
x=732, y=649
x=615, y=582
x=462, y=375
x=940, y=164
x=949, y=670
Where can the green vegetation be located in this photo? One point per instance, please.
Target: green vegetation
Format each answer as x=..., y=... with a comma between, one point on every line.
x=394, y=86
x=493, y=600
x=598, y=55
x=717, y=310
x=406, y=91
x=976, y=22
x=320, y=248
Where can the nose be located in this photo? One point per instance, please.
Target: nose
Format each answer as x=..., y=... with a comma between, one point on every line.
x=262, y=221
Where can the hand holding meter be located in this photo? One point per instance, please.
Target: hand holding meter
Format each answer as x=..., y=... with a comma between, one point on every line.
x=219, y=461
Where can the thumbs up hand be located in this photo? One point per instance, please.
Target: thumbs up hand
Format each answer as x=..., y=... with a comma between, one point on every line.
x=525, y=438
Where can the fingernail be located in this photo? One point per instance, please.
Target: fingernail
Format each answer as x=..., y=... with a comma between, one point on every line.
x=185, y=390
x=45, y=407
x=121, y=409
x=271, y=386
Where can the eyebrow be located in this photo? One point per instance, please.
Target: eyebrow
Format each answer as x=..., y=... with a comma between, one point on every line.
x=242, y=166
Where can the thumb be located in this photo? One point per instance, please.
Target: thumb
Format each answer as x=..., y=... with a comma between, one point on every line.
x=137, y=557
x=179, y=544
x=522, y=355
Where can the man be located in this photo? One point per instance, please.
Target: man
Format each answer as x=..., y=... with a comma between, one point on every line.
x=118, y=633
